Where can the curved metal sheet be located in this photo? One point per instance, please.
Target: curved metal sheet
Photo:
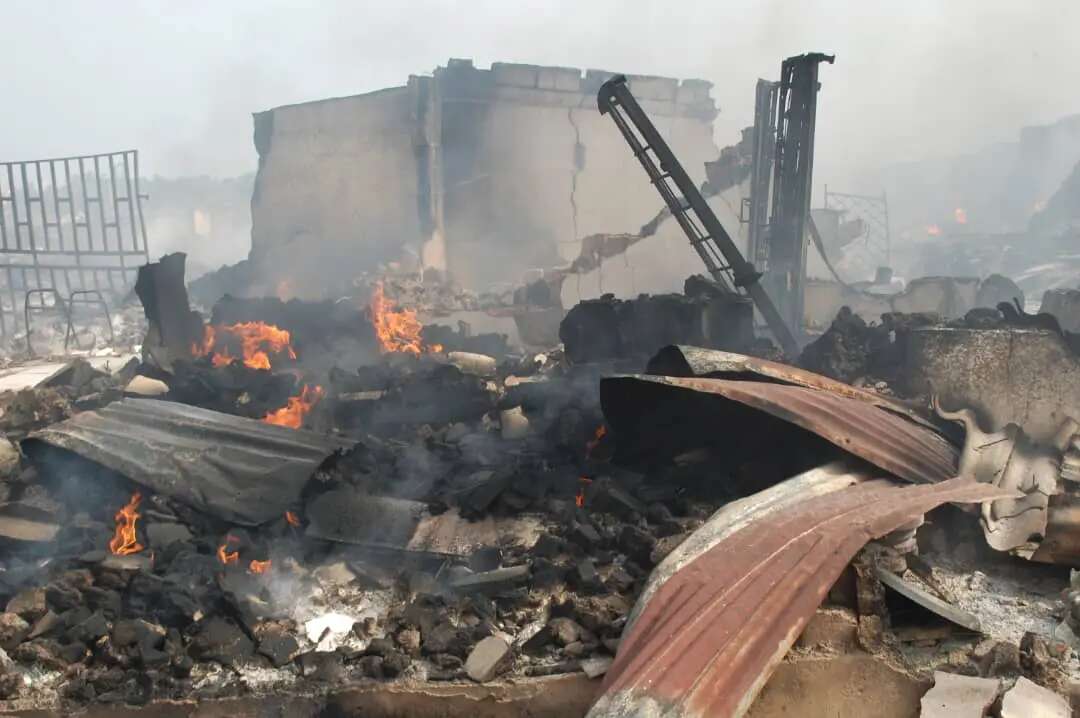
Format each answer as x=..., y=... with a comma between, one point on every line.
x=239, y=470
x=688, y=361
x=901, y=447
x=709, y=638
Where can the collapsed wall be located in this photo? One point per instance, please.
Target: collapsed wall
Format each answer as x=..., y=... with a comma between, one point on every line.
x=483, y=173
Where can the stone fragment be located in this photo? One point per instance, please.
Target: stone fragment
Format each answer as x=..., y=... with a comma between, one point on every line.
x=372, y=666
x=90, y=630
x=637, y=544
x=496, y=581
x=280, y=647
x=956, y=696
x=596, y=666
x=163, y=533
x=564, y=630
x=1029, y=700
x=219, y=639
x=333, y=575
x=446, y=638
x=145, y=386
x=29, y=604
x=409, y=640
x=13, y=629
x=488, y=659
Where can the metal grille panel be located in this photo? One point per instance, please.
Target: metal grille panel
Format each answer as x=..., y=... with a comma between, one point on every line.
x=68, y=224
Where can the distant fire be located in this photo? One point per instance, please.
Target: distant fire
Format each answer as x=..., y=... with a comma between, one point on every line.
x=292, y=414
x=591, y=444
x=398, y=330
x=959, y=215
x=285, y=290
x=259, y=566
x=933, y=230
x=292, y=519
x=579, y=500
x=224, y=555
x=257, y=342
x=125, y=541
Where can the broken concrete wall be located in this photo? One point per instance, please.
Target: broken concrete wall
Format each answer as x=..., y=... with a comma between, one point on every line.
x=1064, y=304
x=948, y=297
x=1027, y=377
x=337, y=188
x=487, y=173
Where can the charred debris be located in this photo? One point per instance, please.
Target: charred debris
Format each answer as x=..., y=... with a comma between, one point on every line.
x=638, y=507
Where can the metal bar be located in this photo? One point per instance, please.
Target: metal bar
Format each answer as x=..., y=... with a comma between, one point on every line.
x=29, y=222
x=86, y=206
x=138, y=203
x=14, y=207
x=3, y=225
x=613, y=95
x=101, y=203
x=41, y=204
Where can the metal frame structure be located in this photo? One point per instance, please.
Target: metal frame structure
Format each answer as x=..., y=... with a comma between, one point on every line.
x=785, y=268
x=69, y=225
x=702, y=227
x=872, y=210
x=762, y=154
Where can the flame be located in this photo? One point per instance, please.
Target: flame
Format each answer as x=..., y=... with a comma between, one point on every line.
x=227, y=557
x=257, y=341
x=959, y=215
x=398, y=330
x=1039, y=206
x=579, y=500
x=125, y=541
x=591, y=444
x=292, y=519
x=933, y=230
x=259, y=566
x=292, y=414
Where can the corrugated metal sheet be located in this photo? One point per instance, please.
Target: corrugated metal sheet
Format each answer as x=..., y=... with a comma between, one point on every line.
x=892, y=442
x=688, y=361
x=239, y=470
x=710, y=637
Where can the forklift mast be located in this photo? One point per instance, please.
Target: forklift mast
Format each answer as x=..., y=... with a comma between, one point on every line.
x=707, y=236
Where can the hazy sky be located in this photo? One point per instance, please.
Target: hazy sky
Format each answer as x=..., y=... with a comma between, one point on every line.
x=179, y=80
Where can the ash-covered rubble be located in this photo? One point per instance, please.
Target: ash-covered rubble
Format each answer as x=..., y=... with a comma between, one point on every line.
x=293, y=498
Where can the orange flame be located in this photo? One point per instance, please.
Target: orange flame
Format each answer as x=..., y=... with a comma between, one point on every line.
x=579, y=500
x=960, y=215
x=257, y=341
x=398, y=330
x=292, y=414
x=259, y=566
x=933, y=230
x=125, y=540
x=292, y=519
x=591, y=444
x=227, y=557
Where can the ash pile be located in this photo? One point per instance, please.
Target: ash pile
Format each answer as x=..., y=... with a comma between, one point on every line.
x=293, y=498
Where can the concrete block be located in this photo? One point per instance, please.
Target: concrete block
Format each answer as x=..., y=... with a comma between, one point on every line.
x=565, y=79
x=830, y=628
x=955, y=696
x=653, y=88
x=1064, y=304
x=1029, y=700
x=488, y=658
x=514, y=74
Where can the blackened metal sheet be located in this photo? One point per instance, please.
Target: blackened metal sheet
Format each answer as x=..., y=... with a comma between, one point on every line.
x=710, y=637
x=240, y=470
x=887, y=440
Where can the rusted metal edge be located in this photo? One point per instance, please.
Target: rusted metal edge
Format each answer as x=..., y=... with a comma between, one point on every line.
x=891, y=442
x=928, y=600
x=682, y=360
x=710, y=637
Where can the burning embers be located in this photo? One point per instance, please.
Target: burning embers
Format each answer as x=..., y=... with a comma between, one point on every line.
x=228, y=554
x=126, y=541
x=257, y=342
x=398, y=330
x=292, y=414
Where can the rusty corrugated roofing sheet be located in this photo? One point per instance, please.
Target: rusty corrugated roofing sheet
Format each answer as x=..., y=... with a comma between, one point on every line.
x=710, y=637
x=888, y=440
x=688, y=361
x=240, y=470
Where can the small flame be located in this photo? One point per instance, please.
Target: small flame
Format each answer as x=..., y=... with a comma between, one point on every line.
x=933, y=230
x=224, y=555
x=257, y=341
x=579, y=500
x=398, y=330
x=292, y=519
x=259, y=566
x=292, y=414
x=285, y=290
x=125, y=541
x=591, y=444
x=959, y=215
